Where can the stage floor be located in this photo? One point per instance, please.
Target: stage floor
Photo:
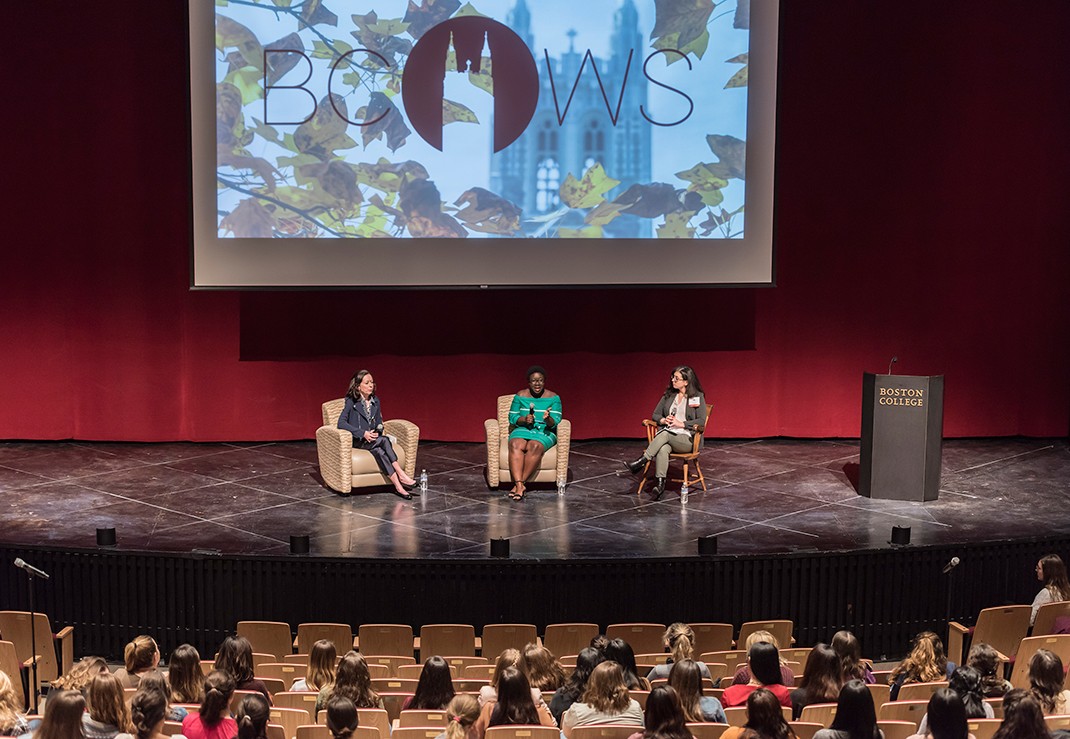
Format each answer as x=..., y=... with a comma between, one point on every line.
x=765, y=497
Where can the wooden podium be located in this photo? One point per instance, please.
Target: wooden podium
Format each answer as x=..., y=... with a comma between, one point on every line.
x=902, y=436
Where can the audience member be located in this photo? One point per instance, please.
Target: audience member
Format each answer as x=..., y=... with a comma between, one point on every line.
x=185, y=676
x=213, y=720
x=619, y=651
x=854, y=668
x=856, y=717
x=664, y=716
x=1052, y=572
x=148, y=711
x=12, y=721
x=686, y=679
x=514, y=705
x=1046, y=677
x=947, y=717
x=764, y=718
x=80, y=675
x=1022, y=717
x=461, y=716
x=572, y=690
x=821, y=680
x=352, y=681
x=108, y=713
x=679, y=638
x=342, y=717
x=541, y=667
x=63, y=716
x=605, y=701
x=926, y=663
x=434, y=690
x=156, y=681
x=236, y=659
x=253, y=714
x=764, y=663
x=141, y=656
x=966, y=682
x=322, y=665
x=743, y=676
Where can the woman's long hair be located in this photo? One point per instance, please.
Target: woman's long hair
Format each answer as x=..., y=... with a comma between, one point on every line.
x=926, y=661
x=9, y=704
x=765, y=717
x=947, y=715
x=140, y=654
x=236, y=658
x=680, y=639
x=850, y=652
x=107, y=702
x=619, y=651
x=966, y=681
x=185, y=675
x=342, y=717
x=984, y=659
x=1046, y=678
x=81, y=674
x=253, y=715
x=63, y=716
x=855, y=713
x=764, y=662
x=508, y=658
x=664, y=716
x=1053, y=571
x=353, y=681
x=586, y=661
x=685, y=677
x=461, y=714
x=148, y=709
x=1022, y=717
x=434, y=690
x=541, y=667
x=218, y=690
x=514, y=704
x=694, y=387
x=353, y=393
x=823, y=675
x=606, y=691
x=322, y=665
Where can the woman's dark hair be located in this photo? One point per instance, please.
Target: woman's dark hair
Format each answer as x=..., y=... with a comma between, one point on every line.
x=984, y=659
x=354, y=681
x=185, y=676
x=218, y=690
x=541, y=667
x=63, y=716
x=855, y=713
x=765, y=717
x=600, y=642
x=586, y=661
x=619, y=651
x=514, y=704
x=664, y=716
x=850, y=652
x=353, y=393
x=685, y=677
x=1022, y=717
x=947, y=715
x=764, y=661
x=342, y=717
x=823, y=675
x=236, y=658
x=1046, y=678
x=966, y=681
x=253, y=714
x=147, y=709
x=533, y=369
x=1054, y=573
x=694, y=387
x=434, y=691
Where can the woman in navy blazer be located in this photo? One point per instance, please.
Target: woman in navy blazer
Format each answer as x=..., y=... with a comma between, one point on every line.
x=363, y=418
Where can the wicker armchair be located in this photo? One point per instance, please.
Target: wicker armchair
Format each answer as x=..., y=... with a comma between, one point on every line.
x=343, y=467
x=554, y=462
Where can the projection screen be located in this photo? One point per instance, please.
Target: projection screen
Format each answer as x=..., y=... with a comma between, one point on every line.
x=500, y=143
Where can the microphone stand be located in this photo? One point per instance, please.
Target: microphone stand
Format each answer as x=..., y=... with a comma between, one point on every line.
x=947, y=611
x=34, y=687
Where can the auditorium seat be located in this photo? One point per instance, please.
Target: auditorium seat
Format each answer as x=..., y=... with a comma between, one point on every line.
x=1001, y=628
x=269, y=637
x=385, y=639
x=447, y=640
x=568, y=638
x=805, y=729
x=920, y=691
x=605, y=731
x=420, y=717
x=521, y=731
x=781, y=629
x=712, y=637
x=897, y=729
x=499, y=637
x=707, y=730
x=1047, y=615
x=15, y=628
x=341, y=635
x=818, y=713
x=390, y=662
x=554, y=463
x=983, y=728
x=643, y=638
x=343, y=467
x=1057, y=643
x=280, y=671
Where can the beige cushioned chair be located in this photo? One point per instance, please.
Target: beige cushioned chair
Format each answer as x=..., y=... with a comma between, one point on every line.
x=554, y=462
x=343, y=467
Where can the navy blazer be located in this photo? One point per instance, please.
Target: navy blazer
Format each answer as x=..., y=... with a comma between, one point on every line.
x=356, y=421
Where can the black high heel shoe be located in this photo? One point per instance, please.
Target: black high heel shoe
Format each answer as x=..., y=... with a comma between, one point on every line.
x=637, y=466
x=403, y=496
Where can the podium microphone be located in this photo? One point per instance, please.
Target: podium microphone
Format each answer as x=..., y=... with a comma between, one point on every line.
x=952, y=564
x=23, y=565
x=894, y=360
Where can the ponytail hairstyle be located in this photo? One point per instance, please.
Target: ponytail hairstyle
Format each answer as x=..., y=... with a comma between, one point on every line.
x=63, y=716
x=107, y=702
x=253, y=714
x=342, y=717
x=218, y=690
x=850, y=653
x=322, y=664
x=984, y=659
x=461, y=714
x=148, y=708
x=680, y=638
x=966, y=681
x=185, y=676
x=141, y=654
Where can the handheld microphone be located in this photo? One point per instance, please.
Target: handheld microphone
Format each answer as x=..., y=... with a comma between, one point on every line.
x=23, y=565
x=894, y=360
x=952, y=564
x=379, y=429
x=532, y=409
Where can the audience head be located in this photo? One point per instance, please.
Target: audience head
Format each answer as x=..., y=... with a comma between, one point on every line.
x=850, y=653
x=1052, y=572
x=461, y=714
x=508, y=658
x=322, y=663
x=1046, y=678
x=685, y=677
x=947, y=715
x=185, y=675
x=926, y=661
x=253, y=714
x=342, y=717
x=10, y=705
x=823, y=674
x=619, y=651
x=586, y=661
x=218, y=690
x=63, y=716
x=434, y=690
x=81, y=674
x=354, y=681
x=855, y=713
x=541, y=667
x=680, y=639
x=764, y=715
x=141, y=654
x=236, y=658
x=760, y=637
x=107, y=702
x=148, y=711
x=606, y=691
x=764, y=661
x=514, y=705
x=600, y=642
x=664, y=715
x=985, y=660
x=1022, y=717
x=966, y=681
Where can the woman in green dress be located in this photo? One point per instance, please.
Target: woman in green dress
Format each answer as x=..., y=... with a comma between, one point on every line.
x=533, y=416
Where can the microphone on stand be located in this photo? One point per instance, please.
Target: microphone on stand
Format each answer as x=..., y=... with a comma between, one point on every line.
x=23, y=565
x=952, y=564
x=894, y=360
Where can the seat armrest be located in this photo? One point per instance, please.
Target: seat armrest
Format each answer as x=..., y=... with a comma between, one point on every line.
x=494, y=442
x=564, y=445
x=335, y=449
x=955, y=634
x=65, y=637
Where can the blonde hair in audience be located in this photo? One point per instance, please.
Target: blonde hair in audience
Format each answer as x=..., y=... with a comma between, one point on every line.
x=541, y=667
x=462, y=713
x=606, y=692
x=9, y=702
x=185, y=676
x=763, y=637
x=508, y=658
x=926, y=661
x=81, y=674
x=322, y=665
x=140, y=654
x=680, y=639
x=107, y=702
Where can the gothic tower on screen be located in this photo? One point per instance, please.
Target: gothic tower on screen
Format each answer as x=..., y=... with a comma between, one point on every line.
x=531, y=170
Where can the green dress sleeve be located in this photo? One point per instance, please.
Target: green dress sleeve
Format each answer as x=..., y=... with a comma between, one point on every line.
x=515, y=411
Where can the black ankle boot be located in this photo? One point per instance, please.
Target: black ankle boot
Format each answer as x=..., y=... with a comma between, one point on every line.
x=659, y=488
x=637, y=466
